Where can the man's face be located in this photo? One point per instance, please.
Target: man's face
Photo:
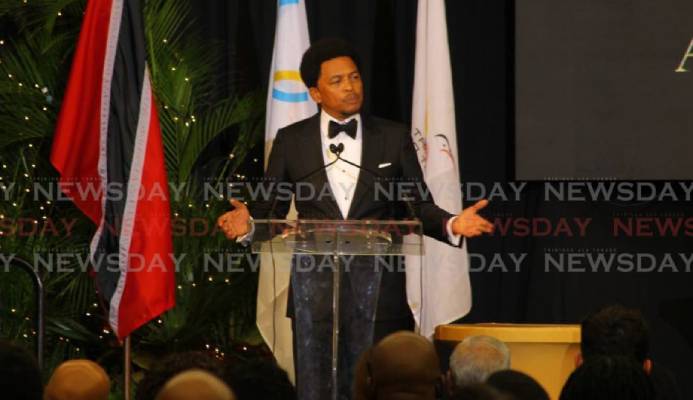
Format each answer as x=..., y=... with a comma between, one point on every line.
x=339, y=88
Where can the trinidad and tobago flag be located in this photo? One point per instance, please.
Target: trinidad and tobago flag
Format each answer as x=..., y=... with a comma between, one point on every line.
x=108, y=151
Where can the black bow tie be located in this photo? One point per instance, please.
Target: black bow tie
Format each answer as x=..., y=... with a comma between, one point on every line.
x=349, y=128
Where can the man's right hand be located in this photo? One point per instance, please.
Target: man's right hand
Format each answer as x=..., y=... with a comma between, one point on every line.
x=235, y=223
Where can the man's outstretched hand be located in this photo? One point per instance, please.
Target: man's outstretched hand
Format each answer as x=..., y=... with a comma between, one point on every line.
x=469, y=223
x=235, y=223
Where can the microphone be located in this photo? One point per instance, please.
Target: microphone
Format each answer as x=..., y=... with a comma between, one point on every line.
x=337, y=151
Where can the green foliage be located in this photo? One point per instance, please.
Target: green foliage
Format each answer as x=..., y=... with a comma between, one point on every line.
x=215, y=308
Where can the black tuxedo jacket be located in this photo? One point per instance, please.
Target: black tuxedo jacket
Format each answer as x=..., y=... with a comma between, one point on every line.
x=297, y=152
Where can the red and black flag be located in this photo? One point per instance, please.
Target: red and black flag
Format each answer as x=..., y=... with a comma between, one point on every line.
x=109, y=153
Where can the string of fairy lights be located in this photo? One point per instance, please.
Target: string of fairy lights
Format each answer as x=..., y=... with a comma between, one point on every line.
x=46, y=206
x=105, y=333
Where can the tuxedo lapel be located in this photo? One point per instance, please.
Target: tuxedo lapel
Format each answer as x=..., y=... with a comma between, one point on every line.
x=371, y=152
x=311, y=149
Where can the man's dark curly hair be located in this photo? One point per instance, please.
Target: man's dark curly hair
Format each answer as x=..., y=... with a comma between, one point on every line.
x=321, y=51
x=615, y=331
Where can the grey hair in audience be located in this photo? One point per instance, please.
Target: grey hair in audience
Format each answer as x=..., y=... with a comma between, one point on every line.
x=476, y=358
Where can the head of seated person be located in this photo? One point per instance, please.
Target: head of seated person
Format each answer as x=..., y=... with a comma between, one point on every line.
x=608, y=378
x=195, y=384
x=474, y=359
x=172, y=365
x=403, y=365
x=479, y=391
x=78, y=380
x=615, y=331
x=517, y=384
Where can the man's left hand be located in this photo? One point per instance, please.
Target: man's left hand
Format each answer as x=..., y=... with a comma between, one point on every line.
x=469, y=223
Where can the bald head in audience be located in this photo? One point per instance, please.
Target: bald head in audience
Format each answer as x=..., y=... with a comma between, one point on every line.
x=475, y=359
x=195, y=384
x=403, y=365
x=78, y=380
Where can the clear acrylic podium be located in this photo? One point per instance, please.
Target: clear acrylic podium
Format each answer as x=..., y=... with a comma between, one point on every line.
x=338, y=243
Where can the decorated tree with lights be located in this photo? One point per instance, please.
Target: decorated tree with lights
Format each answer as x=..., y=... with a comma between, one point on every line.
x=215, y=306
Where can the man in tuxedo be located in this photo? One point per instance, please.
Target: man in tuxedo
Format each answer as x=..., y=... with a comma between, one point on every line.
x=373, y=300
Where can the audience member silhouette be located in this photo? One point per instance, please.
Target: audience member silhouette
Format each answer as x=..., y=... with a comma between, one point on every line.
x=608, y=378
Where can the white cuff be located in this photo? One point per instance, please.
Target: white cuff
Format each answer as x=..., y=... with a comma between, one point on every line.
x=452, y=238
x=248, y=237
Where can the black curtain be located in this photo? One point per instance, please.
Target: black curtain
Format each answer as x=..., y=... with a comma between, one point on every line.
x=481, y=47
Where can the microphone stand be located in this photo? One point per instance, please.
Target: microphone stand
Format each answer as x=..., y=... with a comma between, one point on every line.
x=337, y=151
x=336, y=285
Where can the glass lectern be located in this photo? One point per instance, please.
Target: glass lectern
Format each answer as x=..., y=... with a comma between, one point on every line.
x=325, y=253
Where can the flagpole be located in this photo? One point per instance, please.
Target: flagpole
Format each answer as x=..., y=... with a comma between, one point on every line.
x=126, y=369
x=444, y=294
x=288, y=101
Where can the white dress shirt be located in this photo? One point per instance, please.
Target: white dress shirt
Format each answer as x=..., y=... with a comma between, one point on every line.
x=342, y=176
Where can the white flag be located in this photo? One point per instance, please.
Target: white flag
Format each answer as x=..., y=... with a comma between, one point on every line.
x=438, y=291
x=287, y=102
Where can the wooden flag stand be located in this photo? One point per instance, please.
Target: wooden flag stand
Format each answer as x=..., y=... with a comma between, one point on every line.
x=126, y=369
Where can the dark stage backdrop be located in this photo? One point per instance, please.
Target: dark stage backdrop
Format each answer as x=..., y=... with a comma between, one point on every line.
x=597, y=89
x=559, y=231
